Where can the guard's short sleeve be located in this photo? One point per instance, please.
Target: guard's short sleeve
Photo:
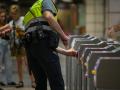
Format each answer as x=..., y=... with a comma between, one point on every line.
x=47, y=5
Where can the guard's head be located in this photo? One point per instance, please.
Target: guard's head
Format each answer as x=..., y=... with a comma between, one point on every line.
x=15, y=12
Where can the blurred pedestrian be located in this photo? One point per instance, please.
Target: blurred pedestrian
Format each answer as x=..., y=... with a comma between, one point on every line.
x=6, y=75
x=113, y=32
x=17, y=48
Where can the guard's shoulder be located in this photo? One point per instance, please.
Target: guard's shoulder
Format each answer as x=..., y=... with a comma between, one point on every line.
x=46, y=1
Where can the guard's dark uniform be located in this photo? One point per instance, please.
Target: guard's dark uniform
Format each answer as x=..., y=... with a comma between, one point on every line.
x=43, y=61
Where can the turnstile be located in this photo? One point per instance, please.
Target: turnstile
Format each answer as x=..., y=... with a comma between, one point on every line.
x=69, y=60
x=75, y=71
x=107, y=73
x=83, y=60
x=91, y=60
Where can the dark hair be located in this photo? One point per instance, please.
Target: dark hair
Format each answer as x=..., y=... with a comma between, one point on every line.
x=3, y=8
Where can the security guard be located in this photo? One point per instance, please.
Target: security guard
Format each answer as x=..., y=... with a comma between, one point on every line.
x=43, y=60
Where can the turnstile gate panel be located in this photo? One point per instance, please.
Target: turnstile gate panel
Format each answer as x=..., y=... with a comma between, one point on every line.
x=91, y=60
x=107, y=74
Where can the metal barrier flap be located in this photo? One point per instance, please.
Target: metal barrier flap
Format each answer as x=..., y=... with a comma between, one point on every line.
x=107, y=73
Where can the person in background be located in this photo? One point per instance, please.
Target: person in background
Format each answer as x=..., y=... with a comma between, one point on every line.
x=6, y=74
x=16, y=47
x=112, y=32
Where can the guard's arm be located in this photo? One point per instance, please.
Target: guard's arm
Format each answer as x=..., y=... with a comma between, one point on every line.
x=54, y=24
x=67, y=52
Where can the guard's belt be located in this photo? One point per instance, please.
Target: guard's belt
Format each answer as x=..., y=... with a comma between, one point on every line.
x=37, y=24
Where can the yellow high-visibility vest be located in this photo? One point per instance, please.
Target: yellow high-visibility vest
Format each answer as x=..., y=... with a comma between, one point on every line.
x=36, y=9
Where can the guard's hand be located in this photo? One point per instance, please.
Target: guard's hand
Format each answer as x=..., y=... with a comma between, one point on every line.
x=65, y=40
x=71, y=52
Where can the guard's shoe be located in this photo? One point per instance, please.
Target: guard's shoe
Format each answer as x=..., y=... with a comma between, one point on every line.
x=2, y=84
x=1, y=89
x=11, y=84
x=33, y=85
x=20, y=84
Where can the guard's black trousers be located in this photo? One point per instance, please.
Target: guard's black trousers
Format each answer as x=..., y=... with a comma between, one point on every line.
x=44, y=64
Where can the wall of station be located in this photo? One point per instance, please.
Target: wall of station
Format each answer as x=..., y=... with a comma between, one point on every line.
x=101, y=14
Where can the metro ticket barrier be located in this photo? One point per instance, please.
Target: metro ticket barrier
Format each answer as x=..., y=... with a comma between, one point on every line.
x=83, y=59
x=85, y=52
x=100, y=46
x=76, y=79
x=107, y=73
x=91, y=60
x=69, y=59
x=71, y=64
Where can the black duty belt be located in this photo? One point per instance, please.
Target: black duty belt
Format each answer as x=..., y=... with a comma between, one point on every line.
x=34, y=36
x=39, y=23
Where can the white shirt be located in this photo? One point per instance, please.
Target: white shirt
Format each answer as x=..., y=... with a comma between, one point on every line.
x=18, y=23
